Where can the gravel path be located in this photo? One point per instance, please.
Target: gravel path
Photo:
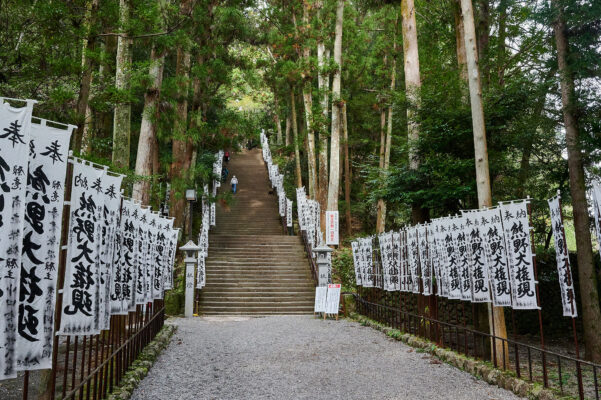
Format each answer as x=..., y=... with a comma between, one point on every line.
x=300, y=357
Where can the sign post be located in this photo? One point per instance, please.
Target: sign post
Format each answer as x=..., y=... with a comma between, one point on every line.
x=190, y=248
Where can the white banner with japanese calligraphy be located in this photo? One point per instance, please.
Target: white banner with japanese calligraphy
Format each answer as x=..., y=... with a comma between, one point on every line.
x=448, y=231
x=596, y=195
x=201, y=275
x=124, y=261
x=369, y=278
x=173, y=236
x=15, y=130
x=153, y=231
x=79, y=315
x=413, y=258
x=404, y=262
x=424, y=260
x=495, y=250
x=111, y=185
x=516, y=226
x=564, y=271
x=477, y=258
x=48, y=152
x=288, y=213
x=143, y=245
x=357, y=262
x=161, y=256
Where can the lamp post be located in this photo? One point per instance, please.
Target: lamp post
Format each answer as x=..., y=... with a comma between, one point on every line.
x=324, y=264
x=190, y=248
x=191, y=197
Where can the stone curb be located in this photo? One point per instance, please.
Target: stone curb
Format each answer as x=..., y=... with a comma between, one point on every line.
x=139, y=369
x=479, y=369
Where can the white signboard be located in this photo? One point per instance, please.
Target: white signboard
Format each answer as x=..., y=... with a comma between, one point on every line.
x=332, y=228
x=288, y=213
x=320, y=299
x=333, y=299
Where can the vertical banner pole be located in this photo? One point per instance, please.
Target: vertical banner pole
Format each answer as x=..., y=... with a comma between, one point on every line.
x=540, y=315
x=51, y=387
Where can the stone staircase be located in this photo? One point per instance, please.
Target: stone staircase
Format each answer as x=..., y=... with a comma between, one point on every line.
x=253, y=268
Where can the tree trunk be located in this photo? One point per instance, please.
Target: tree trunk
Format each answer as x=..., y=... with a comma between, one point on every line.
x=412, y=87
x=276, y=118
x=501, y=52
x=287, y=129
x=181, y=146
x=122, y=116
x=589, y=296
x=308, y=102
x=381, y=217
x=337, y=102
x=484, y=39
x=347, y=175
x=87, y=65
x=323, y=83
x=148, y=128
x=481, y=152
x=460, y=42
x=297, y=161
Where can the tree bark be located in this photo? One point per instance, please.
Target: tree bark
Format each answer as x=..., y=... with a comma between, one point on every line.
x=412, y=87
x=347, y=174
x=287, y=129
x=381, y=216
x=589, y=296
x=276, y=118
x=181, y=145
x=460, y=42
x=484, y=38
x=87, y=65
x=122, y=115
x=481, y=153
x=308, y=102
x=148, y=128
x=323, y=83
x=337, y=102
x=297, y=160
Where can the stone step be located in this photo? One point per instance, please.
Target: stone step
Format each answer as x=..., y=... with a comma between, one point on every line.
x=293, y=285
x=256, y=291
x=265, y=308
x=206, y=297
x=252, y=314
x=241, y=262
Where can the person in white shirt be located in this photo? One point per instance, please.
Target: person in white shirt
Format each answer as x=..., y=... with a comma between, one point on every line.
x=234, y=183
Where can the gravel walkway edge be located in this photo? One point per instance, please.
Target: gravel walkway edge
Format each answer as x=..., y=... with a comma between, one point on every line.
x=474, y=367
x=139, y=369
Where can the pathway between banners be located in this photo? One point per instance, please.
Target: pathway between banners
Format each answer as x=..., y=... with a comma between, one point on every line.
x=300, y=357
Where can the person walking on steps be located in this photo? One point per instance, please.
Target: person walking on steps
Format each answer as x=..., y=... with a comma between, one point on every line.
x=226, y=157
x=234, y=183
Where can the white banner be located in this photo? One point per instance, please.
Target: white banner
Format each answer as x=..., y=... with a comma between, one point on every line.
x=357, y=261
x=124, y=264
x=79, y=315
x=413, y=258
x=288, y=213
x=143, y=247
x=452, y=261
x=108, y=224
x=15, y=131
x=48, y=152
x=201, y=272
x=477, y=258
x=369, y=279
x=424, y=260
x=564, y=272
x=519, y=249
x=171, y=251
